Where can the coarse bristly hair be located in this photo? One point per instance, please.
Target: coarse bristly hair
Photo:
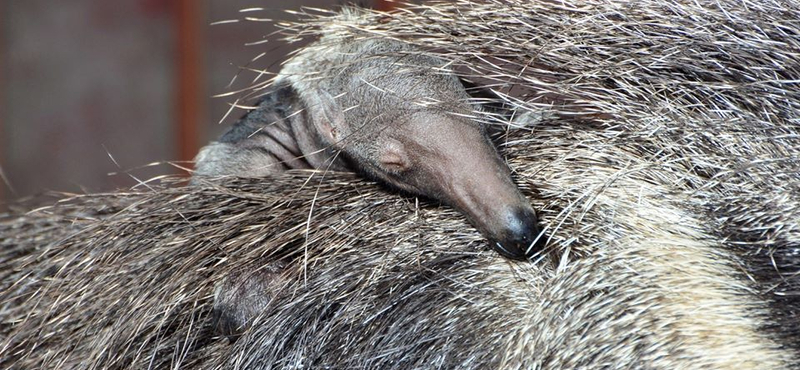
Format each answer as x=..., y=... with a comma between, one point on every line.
x=659, y=141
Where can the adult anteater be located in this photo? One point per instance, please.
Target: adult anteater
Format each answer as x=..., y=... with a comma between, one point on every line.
x=662, y=153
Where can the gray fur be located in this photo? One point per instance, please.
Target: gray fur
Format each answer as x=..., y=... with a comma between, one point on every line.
x=667, y=178
x=241, y=297
x=276, y=136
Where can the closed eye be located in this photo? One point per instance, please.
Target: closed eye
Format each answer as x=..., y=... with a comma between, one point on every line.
x=394, y=158
x=394, y=166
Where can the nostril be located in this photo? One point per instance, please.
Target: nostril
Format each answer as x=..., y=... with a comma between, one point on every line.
x=522, y=223
x=521, y=232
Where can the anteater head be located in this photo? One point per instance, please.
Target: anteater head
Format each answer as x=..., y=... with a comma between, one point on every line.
x=400, y=117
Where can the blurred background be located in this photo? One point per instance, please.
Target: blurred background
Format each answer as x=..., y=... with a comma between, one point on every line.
x=92, y=87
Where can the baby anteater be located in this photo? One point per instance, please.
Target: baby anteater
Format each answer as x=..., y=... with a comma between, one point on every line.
x=385, y=110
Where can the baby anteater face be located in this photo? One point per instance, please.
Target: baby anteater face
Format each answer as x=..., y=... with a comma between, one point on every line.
x=418, y=132
x=451, y=159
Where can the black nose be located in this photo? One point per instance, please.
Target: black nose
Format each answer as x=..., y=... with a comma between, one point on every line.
x=521, y=238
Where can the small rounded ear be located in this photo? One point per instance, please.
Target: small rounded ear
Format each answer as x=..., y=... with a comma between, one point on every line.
x=326, y=116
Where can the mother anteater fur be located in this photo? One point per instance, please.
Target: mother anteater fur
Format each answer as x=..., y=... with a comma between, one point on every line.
x=659, y=141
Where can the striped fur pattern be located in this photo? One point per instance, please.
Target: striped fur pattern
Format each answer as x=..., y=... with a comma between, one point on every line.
x=659, y=141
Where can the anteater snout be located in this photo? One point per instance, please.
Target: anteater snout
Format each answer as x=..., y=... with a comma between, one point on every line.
x=521, y=238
